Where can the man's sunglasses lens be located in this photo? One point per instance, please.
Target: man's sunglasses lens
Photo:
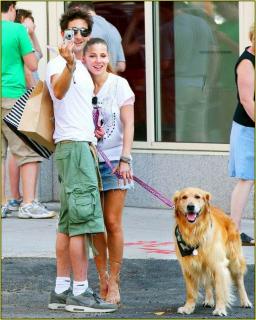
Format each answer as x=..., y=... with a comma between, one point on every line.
x=84, y=32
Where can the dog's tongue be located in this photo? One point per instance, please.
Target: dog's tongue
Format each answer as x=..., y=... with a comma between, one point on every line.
x=191, y=216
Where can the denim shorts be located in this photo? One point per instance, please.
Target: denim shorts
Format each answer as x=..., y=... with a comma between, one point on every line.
x=110, y=181
x=241, y=158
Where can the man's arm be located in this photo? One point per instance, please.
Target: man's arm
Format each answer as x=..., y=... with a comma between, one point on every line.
x=120, y=66
x=30, y=61
x=61, y=82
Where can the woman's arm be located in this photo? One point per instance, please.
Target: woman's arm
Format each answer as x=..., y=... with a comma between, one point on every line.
x=245, y=83
x=127, y=119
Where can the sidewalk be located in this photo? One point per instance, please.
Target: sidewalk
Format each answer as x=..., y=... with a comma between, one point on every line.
x=148, y=234
x=151, y=282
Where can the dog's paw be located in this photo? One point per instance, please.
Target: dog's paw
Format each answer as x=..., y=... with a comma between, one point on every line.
x=219, y=312
x=187, y=309
x=208, y=304
x=246, y=304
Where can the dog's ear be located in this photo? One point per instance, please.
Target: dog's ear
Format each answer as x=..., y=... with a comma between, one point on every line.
x=208, y=196
x=176, y=196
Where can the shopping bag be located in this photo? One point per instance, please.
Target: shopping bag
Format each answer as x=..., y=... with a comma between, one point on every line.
x=12, y=119
x=37, y=121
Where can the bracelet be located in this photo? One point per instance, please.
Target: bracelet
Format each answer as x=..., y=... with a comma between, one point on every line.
x=127, y=160
x=71, y=70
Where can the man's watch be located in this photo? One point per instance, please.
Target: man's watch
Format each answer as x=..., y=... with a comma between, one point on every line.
x=127, y=160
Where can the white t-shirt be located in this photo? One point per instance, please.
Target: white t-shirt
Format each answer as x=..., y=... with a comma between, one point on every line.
x=73, y=113
x=111, y=97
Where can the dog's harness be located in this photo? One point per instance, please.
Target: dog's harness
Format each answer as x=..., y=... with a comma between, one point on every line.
x=185, y=249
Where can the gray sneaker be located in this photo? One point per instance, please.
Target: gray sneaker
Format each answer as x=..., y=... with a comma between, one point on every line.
x=5, y=210
x=35, y=210
x=88, y=301
x=58, y=301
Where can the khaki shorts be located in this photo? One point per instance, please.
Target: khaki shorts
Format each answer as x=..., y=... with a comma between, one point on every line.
x=19, y=149
x=80, y=211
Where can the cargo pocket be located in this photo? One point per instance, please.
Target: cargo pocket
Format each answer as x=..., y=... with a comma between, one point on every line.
x=84, y=205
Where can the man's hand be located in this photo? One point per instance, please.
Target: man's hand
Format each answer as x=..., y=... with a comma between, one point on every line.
x=66, y=51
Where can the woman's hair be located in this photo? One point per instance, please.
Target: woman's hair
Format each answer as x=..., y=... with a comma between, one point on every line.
x=252, y=36
x=73, y=14
x=22, y=14
x=94, y=41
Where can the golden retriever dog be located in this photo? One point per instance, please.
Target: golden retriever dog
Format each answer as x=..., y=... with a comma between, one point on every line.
x=208, y=247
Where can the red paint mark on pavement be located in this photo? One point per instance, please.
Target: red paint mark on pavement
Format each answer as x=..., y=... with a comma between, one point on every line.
x=153, y=246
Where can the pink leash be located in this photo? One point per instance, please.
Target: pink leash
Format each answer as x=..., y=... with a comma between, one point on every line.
x=156, y=193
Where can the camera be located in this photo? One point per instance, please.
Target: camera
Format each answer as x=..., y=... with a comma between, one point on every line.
x=69, y=34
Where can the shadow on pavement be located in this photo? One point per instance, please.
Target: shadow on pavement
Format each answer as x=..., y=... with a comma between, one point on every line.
x=149, y=289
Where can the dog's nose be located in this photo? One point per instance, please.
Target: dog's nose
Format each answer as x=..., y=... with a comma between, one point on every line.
x=190, y=207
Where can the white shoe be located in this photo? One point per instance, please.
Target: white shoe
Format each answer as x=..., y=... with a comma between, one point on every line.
x=35, y=210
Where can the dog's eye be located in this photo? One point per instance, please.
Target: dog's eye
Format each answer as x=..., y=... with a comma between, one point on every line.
x=197, y=196
x=184, y=197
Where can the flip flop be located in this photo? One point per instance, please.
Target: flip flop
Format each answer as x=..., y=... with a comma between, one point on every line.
x=247, y=240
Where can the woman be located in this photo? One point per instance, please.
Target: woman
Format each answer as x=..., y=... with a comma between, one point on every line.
x=114, y=99
x=241, y=161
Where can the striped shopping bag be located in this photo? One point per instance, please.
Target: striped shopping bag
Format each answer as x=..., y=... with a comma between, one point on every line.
x=12, y=119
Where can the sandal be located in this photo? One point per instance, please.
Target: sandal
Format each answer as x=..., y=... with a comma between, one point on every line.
x=113, y=295
x=247, y=240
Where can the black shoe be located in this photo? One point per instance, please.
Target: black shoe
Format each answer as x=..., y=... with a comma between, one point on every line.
x=247, y=240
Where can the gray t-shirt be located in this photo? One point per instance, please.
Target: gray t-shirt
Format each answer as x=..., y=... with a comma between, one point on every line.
x=106, y=31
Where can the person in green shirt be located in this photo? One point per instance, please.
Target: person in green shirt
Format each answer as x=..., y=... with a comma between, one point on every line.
x=17, y=52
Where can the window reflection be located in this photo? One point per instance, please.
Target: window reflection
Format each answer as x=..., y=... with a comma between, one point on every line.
x=128, y=17
x=199, y=47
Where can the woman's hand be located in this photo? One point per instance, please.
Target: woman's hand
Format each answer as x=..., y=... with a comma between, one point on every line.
x=125, y=172
x=99, y=132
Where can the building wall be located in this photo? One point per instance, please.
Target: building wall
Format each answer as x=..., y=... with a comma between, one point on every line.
x=165, y=170
x=166, y=173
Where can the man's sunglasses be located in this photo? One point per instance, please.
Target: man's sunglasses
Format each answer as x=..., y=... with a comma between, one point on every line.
x=83, y=31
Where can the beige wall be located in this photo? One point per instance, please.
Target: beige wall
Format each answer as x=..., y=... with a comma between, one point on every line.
x=246, y=18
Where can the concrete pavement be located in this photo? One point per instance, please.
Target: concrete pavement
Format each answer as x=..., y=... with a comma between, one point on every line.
x=148, y=234
x=151, y=282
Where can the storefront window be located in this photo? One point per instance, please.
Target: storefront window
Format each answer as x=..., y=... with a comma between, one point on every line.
x=128, y=17
x=199, y=46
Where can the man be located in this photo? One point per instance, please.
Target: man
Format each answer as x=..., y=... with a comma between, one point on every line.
x=107, y=31
x=17, y=52
x=71, y=89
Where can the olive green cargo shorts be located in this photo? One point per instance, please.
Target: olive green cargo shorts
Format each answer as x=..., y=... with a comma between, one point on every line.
x=81, y=211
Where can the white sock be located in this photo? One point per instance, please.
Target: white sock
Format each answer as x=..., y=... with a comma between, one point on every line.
x=62, y=284
x=79, y=287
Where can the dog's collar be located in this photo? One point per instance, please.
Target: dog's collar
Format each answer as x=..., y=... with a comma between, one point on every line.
x=185, y=249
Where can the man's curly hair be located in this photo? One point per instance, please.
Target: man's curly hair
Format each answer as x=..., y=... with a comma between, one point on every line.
x=72, y=14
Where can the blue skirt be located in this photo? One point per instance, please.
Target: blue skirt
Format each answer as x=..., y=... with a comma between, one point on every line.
x=241, y=158
x=110, y=181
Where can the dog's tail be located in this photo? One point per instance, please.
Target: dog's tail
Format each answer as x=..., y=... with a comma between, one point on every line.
x=237, y=263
